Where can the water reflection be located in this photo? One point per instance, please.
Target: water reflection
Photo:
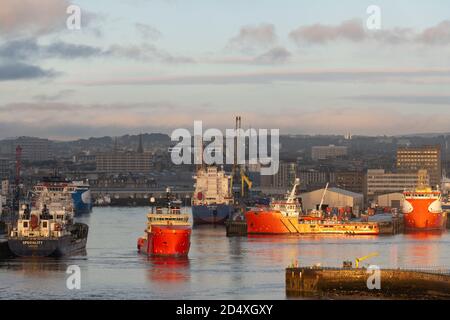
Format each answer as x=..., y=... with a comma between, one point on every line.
x=168, y=269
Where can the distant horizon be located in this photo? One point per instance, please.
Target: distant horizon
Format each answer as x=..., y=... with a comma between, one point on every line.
x=425, y=135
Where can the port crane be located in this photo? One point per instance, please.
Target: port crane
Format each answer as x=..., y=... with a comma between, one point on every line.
x=238, y=169
x=358, y=260
x=245, y=180
x=348, y=264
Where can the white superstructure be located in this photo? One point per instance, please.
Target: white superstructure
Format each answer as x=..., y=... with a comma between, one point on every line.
x=212, y=186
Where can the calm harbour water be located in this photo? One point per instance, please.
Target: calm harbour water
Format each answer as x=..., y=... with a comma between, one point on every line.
x=217, y=268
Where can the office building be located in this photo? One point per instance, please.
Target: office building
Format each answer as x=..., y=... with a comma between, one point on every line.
x=421, y=158
x=328, y=152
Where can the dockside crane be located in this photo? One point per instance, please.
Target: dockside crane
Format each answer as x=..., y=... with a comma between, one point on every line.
x=238, y=170
x=348, y=264
x=358, y=260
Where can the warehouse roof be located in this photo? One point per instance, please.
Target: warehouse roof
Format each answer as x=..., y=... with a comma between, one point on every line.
x=341, y=191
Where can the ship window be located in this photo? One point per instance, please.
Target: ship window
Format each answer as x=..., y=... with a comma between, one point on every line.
x=25, y=224
x=44, y=224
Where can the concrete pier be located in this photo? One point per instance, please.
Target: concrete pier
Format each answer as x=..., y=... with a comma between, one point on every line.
x=392, y=226
x=236, y=228
x=394, y=283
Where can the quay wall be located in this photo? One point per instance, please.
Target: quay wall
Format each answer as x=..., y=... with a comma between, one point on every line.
x=393, y=226
x=394, y=282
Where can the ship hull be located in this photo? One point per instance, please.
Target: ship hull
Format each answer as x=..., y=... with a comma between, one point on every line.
x=273, y=222
x=173, y=241
x=212, y=214
x=51, y=247
x=270, y=222
x=421, y=219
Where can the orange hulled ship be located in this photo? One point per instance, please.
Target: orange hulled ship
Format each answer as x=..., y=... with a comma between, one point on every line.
x=285, y=217
x=422, y=210
x=168, y=233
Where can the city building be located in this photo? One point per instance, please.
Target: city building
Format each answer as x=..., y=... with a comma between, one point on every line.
x=281, y=181
x=327, y=152
x=313, y=179
x=390, y=200
x=350, y=180
x=84, y=157
x=4, y=168
x=334, y=198
x=428, y=158
x=379, y=182
x=117, y=161
x=124, y=162
x=33, y=149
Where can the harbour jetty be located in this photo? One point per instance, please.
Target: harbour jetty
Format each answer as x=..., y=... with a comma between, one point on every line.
x=388, y=224
x=134, y=197
x=394, y=283
x=236, y=228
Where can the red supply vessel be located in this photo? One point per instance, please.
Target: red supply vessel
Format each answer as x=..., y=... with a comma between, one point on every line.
x=422, y=210
x=168, y=232
x=285, y=217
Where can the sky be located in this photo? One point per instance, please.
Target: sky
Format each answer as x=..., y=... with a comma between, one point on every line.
x=304, y=67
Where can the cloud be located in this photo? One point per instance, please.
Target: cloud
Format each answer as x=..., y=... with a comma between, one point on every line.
x=31, y=16
x=147, y=32
x=439, y=34
x=274, y=56
x=29, y=48
x=251, y=38
x=21, y=71
x=146, y=52
x=57, y=96
x=269, y=77
x=318, y=33
x=354, y=31
x=405, y=99
x=69, y=51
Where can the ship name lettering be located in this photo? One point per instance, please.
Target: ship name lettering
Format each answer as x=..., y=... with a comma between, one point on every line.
x=28, y=242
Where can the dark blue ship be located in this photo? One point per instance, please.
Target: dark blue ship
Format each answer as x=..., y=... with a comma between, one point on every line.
x=212, y=202
x=211, y=214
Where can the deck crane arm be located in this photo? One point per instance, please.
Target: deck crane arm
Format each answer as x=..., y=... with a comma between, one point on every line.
x=323, y=196
x=292, y=196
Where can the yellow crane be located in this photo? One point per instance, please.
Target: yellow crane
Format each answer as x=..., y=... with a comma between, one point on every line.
x=358, y=260
x=246, y=180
